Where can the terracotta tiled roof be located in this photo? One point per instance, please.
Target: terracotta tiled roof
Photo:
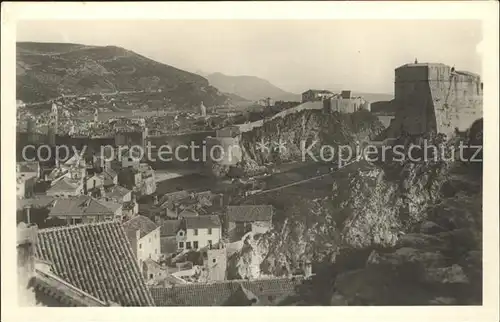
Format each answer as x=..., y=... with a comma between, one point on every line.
x=168, y=244
x=75, y=160
x=169, y=227
x=249, y=213
x=96, y=258
x=56, y=173
x=60, y=290
x=117, y=192
x=268, y=292
x=111, y=205
x=129, y=205
x=131, y=153
x=345, y=94
x=169, y=198
x=41, y=201
x=28, y=166
x=141, y=223
x=64, y=185
x=79, y=206
x=211, y=221
x=319, y=91
x=109, y=173
x=188, y=213
x=108, y=152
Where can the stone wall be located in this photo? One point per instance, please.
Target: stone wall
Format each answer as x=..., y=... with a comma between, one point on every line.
x=216, y=264
x=436, y=98
x=226, y=150
x=180, y=142
x=26, y=243
x=348, y=105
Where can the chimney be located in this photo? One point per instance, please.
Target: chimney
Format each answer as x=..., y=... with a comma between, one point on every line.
x=327, y=105
x=26, y=243
x=28, y=214
x=307, y=269
x=85, y=190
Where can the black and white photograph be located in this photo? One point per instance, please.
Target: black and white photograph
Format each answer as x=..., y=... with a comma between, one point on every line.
x=236, y=162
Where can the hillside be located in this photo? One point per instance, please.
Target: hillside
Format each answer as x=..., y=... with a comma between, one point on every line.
x=250, y=87
x=48, y=70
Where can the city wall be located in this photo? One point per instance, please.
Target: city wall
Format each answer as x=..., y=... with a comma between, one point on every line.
x=231, y=153
x=177, y=140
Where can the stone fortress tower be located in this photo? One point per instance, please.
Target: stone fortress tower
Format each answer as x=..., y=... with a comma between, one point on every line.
x=215, y=261
x=203, y=109
x=53, y=124
x=96, y=115
x=26, y=244
x=436, y=98
x=225, y=146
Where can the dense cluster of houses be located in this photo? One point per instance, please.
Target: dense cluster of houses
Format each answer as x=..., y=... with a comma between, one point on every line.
x=85, y=240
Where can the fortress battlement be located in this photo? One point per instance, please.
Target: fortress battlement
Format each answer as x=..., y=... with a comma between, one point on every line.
x=434, y=97
x=433, y=72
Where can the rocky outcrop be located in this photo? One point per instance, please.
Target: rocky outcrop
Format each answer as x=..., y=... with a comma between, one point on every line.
x=396, y=233
x=436, y=258
x=287, y=138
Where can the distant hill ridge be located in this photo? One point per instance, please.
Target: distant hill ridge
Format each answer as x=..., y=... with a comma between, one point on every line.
x=48, y=70
x=255, y=88
x=250, y=87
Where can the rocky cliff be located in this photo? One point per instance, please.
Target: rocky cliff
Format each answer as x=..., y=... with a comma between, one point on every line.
x=286, y=138
x=394, y=233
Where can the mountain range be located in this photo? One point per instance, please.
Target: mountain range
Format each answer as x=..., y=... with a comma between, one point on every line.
x=47, y=70
x=250, y=87
x=255, y=88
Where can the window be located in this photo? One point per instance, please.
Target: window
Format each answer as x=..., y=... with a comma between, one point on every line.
x=195, y=245
x=188, y=245
x=156, y=251
x=210, y=243
x=149, y=239
x=140, y=245
x=196, y=232
x=150, y=275
x=210, y=231
x=181, y=233
x=181, y=244
x=214, y=260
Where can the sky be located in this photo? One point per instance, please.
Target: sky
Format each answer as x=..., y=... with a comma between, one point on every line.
x=295, y=55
